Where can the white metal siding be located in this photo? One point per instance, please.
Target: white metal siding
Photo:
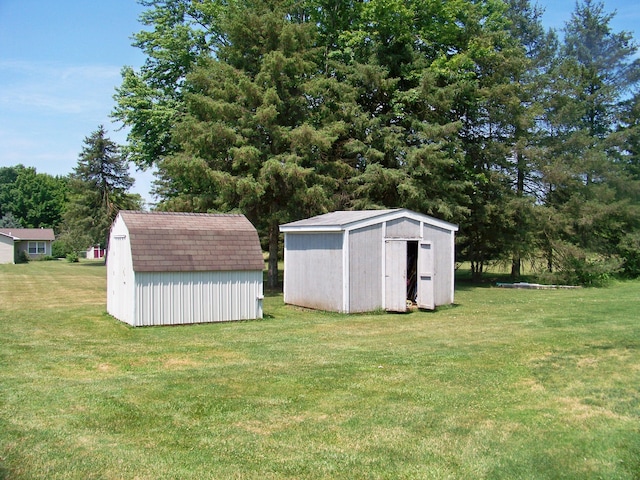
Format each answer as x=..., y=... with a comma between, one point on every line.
x=326, y=270
x=120, y=276
x=173, y=298
x=6, y=250
x=365, y=269
x=314, y=270
x=403, y=228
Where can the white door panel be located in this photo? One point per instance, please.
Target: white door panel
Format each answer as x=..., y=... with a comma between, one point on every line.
x=425, y=276
x=395, y=276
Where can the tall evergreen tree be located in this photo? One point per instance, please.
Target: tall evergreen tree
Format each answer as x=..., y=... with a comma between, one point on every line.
x=252, y=137
x=99, y=188
x=589, y=185
x=521, y=118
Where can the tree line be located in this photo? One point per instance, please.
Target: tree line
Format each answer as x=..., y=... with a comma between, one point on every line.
x=81, y=206
x=466, y=110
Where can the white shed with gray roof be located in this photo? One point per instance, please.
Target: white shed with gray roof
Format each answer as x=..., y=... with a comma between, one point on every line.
x=359, y=261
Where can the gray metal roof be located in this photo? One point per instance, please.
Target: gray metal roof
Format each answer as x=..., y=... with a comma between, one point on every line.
x=339, y=218
x=342, y=220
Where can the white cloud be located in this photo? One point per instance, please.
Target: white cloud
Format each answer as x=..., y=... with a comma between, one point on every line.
x=56, y=88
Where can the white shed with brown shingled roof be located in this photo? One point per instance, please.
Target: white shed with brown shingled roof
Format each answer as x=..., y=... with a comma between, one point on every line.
x=181, y=268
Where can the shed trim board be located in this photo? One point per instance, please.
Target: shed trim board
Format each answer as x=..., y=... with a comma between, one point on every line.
x=377, y=216
x=399, y=226
x=345, y=272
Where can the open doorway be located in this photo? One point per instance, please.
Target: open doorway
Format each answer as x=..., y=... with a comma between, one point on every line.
x=412, y=272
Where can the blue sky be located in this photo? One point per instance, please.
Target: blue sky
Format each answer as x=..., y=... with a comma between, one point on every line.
x=60, y=63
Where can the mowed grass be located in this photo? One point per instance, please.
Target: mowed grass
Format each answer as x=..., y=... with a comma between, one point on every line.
x=505, y=384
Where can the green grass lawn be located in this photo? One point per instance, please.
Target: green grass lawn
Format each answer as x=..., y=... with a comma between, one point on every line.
x=505, y=384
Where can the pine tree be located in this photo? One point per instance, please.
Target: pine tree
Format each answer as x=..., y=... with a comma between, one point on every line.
x=98, y=190
x=252, y=138
x=589, y=186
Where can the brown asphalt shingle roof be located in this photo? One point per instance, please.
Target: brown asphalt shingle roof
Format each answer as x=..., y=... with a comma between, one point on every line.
x=186, y=242
x=42, y=234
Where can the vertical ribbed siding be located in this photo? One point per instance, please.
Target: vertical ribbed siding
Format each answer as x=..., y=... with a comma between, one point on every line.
x=365, y=270
x=174, y=298
x=313, y=271
x=443, y=268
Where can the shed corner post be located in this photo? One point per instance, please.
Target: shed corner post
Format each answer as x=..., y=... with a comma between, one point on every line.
x=284, y=268
x=453, y=267
x=383, y=266
x=345, y=271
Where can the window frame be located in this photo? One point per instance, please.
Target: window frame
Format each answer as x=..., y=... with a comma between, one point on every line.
x=37, y=247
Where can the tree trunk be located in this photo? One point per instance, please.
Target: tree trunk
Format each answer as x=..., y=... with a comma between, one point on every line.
x=516, y=266
x=516, y=261
x=272, y=272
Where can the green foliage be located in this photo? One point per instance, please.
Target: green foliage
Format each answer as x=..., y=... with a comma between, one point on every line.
x=60, y=248
x=181, y=33
x=72, y=257
x=8, y=220
x=575, y=266
x=33, y=200
x=247, y=140
x=466, y=110
x=629, y=250
x=97, y=191
x=22, y=257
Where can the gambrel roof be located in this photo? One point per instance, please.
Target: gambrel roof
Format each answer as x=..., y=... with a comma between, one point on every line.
x=181, y=242
x=345, y=220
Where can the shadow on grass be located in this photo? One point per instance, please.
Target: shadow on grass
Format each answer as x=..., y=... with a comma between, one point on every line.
x=4, y=473
x=466, y=282
x=88, y=263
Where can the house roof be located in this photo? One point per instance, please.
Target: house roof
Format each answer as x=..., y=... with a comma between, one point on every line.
x=40, y=234
x=346, y=220
x=179, y=242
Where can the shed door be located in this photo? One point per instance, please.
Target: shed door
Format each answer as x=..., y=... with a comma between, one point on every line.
x=395, y=276
x=425, y=297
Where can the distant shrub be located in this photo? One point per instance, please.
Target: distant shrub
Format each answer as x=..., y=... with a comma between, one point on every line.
x=576, y=266
x=22, y=257
x=60, y=249
x=589, y=273
x=629, y=249
x=72, y=257
x=47, y=258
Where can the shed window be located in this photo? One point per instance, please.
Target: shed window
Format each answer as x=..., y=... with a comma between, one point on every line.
x=36, y=248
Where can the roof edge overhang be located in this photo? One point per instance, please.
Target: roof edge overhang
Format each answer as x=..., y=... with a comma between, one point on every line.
x=366, y=222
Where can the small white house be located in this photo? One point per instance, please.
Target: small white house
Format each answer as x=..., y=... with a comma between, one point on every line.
x=34, y=242
x=96, y=252
x=183, y=268
x=359, y=261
